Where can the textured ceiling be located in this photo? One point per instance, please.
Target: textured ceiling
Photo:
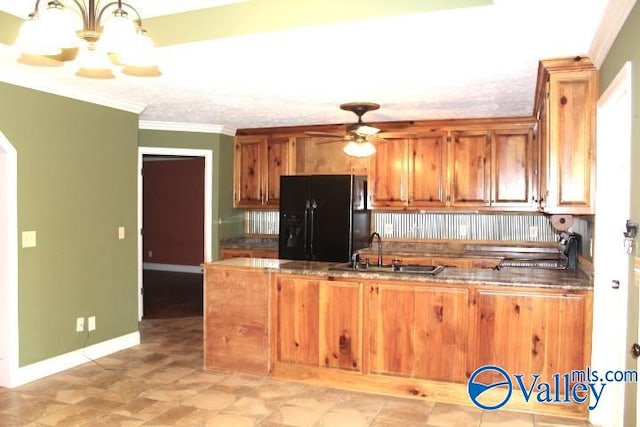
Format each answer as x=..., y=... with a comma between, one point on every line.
x=459, y=63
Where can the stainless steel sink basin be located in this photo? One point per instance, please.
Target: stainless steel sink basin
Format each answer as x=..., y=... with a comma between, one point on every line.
x=391, y=269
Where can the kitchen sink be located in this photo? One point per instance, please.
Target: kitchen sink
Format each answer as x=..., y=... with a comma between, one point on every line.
x=392, y=269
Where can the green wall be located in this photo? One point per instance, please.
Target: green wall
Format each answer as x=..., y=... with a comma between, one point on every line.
x=624, y=49
x=77, y=167
x=226, y=221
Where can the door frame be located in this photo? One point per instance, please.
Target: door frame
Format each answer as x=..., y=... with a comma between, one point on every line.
x=607, y=345
x=9, y=338
x=208, y=198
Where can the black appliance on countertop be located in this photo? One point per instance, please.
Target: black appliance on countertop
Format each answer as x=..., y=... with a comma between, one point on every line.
x=569, y=246
x=323, y=217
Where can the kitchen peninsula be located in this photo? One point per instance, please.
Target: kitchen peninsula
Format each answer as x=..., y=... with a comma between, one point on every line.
x=413, y=335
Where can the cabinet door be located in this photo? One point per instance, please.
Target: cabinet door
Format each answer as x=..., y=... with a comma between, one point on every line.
x=418, y=332
x=392, y=320
x=512, y=169
x=340, y=329
x=440, y=334
x=572, y=103
x=388, y=180
x=280, y=161
x=297, y=320
x=427, y=171
x=470, y=161
x=532, y=333
x=249, y=164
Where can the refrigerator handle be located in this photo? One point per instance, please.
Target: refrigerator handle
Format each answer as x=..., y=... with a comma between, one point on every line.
x=314, y=206
x=307, y=208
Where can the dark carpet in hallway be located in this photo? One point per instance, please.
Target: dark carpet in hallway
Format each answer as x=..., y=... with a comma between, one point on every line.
x=170, y=294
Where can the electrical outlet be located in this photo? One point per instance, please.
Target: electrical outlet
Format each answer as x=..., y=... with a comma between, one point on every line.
x=150, y=254
x=92, y=323
x=80, y=324
x=463, y=231
x=533, y=232
x=121, y=232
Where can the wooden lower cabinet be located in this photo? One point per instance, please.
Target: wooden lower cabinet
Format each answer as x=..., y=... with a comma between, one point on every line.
x=524, y=331
x=248, y=253
x=236, y=307
x=318, y=322
x=420, y=332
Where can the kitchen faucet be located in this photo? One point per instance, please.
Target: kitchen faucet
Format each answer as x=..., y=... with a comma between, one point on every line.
x=376, y=235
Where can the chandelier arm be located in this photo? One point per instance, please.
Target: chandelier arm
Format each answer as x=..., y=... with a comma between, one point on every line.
x=118, y=3
x=83, y=11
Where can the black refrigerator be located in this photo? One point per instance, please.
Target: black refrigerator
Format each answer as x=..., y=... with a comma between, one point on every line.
x=323, y=217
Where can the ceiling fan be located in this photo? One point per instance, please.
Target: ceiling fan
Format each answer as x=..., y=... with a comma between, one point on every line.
x=359, y=135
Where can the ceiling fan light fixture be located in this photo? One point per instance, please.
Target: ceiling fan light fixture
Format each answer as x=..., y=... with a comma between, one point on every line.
x=359, y=148
x=365, y=129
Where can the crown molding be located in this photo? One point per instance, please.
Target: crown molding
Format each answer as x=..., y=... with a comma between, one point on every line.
x=186, y=127
x=54, y=88
x=613, y=19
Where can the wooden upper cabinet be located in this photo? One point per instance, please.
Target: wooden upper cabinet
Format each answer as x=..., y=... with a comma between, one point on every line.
x=567, y=136
x=428, y=171
x=409, y=172
x=512, y=169
x=470, y=160
x=259, y=163
x=389, y=174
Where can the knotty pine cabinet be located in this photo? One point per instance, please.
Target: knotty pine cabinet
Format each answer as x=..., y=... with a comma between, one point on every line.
x=259, y=161
x=529, y=331
x=409, y=172
x=318, y=322
x=228, y=253
x=236, y=307
x=566, y=107
x=492, y=169
x=418, y=331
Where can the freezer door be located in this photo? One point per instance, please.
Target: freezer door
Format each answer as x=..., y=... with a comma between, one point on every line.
x=293, y=241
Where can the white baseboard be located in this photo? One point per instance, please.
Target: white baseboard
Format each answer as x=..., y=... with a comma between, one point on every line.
x=172, y=267
x=35, y=371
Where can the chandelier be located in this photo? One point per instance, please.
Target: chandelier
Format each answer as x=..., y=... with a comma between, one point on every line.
x=99, y=36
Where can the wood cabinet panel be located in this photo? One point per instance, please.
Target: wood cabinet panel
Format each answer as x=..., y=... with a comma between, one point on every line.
x=248, y=171
x=532, y=332
x=428, y=171
x=389, y=174
x=471, y=170
x=236, y=305
x=340, y=327
x=418, y=332
x=297, y=320
x=441, y=332
x=392, y=314
x=511, y=165
x=258, y=164
x=248, y=253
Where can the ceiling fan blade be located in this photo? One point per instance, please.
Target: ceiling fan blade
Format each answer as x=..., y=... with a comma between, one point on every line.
x=314, y=133
x=397, y=135
x=330, y=141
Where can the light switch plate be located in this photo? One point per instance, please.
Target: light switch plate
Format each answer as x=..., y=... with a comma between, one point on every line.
x=28, y=239
x=121, y=232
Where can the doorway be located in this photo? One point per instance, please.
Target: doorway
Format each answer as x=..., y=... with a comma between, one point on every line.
x=8, y=263
x=207, y=155
x=613, y=291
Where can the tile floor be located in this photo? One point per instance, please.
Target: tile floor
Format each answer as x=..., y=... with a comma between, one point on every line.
x=161, y=383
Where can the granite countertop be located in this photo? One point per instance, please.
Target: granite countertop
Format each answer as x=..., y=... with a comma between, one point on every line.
x=535, y=278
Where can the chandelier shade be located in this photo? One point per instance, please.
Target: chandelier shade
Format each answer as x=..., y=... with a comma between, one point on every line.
x=360, y=147
x=92, y=32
